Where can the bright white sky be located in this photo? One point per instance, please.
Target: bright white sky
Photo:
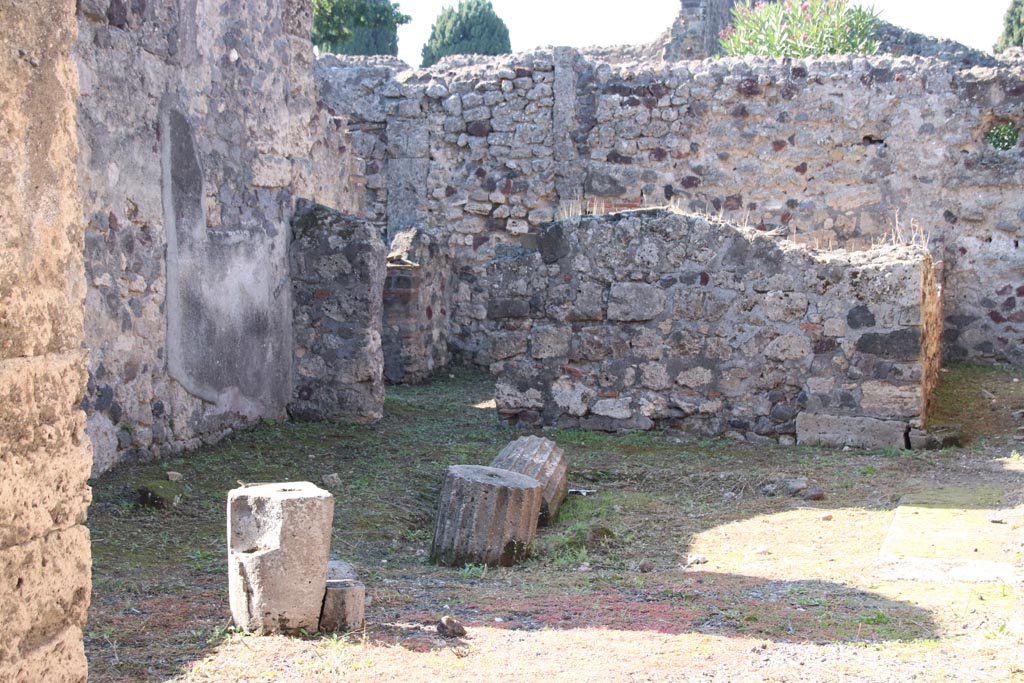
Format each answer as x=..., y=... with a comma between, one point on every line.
x=582, y=23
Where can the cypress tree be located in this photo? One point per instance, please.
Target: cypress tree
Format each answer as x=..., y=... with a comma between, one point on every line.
x=473, y=28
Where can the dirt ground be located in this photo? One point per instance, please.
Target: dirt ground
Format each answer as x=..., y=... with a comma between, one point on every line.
x=690, y=562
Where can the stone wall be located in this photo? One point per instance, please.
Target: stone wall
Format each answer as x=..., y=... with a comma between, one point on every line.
x=839, y=151
x=44, y=453
x=198, y=128
x=653, y=318
x=337, y=279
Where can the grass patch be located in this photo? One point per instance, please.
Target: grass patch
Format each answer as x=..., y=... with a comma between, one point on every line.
x=607, y=580
x=978, y=400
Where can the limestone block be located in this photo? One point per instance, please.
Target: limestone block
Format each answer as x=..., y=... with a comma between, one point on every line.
x=881, y=399
x=789, y=347
x=45, y=594
x=344, y=606
x=543, y=460
x=572, y=397
x=635, y=301
x=816, y=429
x=617, y=408
x=44, y=462
x=550, y=341
x=486, y=516
x=60, y=659
x=279, y=538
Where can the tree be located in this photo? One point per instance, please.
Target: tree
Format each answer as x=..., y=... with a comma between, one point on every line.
x=473, y=28
x=357, y=27
x=1013, y=27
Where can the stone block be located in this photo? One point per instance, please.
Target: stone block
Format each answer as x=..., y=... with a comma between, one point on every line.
x=279, y=538
x=635, y=301
x=899, y=345
x=344, y=606
x=44, y=464
x=45, y=594
x=789, y=347
x=881, y=399
x=816, y=429
x=550, y=341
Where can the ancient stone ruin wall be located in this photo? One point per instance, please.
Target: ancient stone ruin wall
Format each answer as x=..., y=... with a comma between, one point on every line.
x=840, y=151
x=337, y=279
x=416, y=291
x=653, y=318
x=44, y=453
x=198, y=129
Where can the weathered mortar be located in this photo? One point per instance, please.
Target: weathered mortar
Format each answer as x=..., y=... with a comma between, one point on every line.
x=649, y=318
x=834, y=151
x=198, y=128
x=44, y=454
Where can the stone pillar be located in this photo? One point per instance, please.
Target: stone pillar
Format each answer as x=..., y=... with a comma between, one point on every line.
x=337, y=274
x=44, y=454
x=279, y=538
x=415, y=329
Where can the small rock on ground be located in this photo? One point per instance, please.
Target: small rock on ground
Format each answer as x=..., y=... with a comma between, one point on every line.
x=450, y=627
x=813, y=493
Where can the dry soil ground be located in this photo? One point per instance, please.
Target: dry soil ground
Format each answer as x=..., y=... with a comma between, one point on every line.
x=679, y=568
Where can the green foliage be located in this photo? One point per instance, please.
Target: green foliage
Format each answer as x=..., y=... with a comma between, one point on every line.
x=473, y=28
x=357, y=27
x=1013, y=27
x=474, y=571
x=799, y=29
x=1003, y=136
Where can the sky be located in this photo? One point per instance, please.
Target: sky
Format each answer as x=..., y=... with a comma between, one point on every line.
x=582, y=23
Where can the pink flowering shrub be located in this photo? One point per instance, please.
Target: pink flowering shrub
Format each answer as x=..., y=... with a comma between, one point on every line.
x=799, y=29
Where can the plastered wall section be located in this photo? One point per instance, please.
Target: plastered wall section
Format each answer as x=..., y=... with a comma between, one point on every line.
x=651, y=318
x=198, y=129
x=44, y=454
x=839, y=152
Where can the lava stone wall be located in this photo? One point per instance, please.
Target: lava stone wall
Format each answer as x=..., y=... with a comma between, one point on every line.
x=44, y=453
x=337, y=279
x=199, y=126
x=840, y=151
x=652, y=318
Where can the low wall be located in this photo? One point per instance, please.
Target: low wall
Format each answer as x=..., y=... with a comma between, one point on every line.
x=44, y=453
x=652, y=318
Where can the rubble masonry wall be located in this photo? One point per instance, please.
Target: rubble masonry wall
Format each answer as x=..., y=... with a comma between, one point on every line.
x=652, y=318
x=840, y=151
